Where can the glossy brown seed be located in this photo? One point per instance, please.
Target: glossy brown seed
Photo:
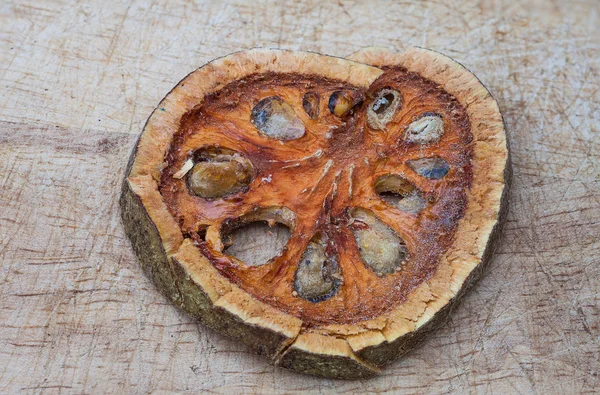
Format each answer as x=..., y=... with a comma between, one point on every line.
x=310, y=103
x=340, y=103
x=219, y=176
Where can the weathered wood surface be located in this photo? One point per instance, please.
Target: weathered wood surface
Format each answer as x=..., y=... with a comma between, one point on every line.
x=78, y=81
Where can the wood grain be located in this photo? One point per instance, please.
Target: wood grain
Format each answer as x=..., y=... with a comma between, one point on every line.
x=78, y=80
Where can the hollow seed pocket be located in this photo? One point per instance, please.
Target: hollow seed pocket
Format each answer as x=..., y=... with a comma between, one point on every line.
x=386, y=173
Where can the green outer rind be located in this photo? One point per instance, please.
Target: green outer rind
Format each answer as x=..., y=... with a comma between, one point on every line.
x=330, y=366
x=146, y=243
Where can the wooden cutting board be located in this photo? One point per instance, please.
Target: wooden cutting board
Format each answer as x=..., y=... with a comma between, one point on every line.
x=78, y=80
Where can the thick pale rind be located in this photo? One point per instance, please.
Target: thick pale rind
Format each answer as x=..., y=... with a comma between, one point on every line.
x=478, y=230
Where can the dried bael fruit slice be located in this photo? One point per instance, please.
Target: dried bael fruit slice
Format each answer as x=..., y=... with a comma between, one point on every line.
x=380, y=191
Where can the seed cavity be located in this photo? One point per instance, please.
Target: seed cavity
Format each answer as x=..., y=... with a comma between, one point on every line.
x=400, y=193
x=380, y=247
x=318, y=275
x=428, y=128
x=259, y=236
x=383, y=108
x=218, y=172
x=310, y=103
x=340, y=103
x=257, y=243
x=277, y=119
x=383, y=103
x=432, y=168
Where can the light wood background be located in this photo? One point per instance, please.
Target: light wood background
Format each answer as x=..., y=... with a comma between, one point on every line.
x=78, y=80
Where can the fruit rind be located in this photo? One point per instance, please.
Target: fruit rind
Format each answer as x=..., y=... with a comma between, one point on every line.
x=339, y=351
